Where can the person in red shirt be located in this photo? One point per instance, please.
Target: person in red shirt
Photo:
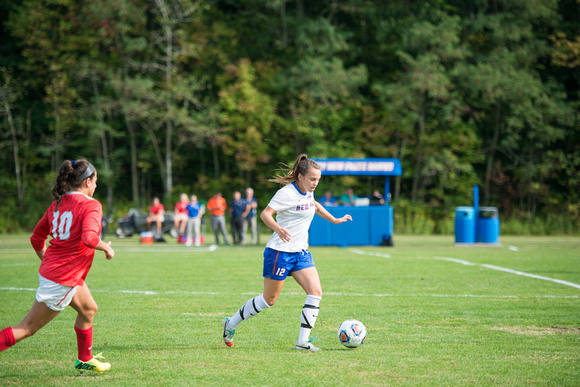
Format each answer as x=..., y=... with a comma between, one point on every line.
x=157, y=215
x=74, y=223
x=181, y=216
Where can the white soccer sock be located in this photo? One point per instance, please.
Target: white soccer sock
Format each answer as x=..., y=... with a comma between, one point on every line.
x=308, y=318
x=251, y=308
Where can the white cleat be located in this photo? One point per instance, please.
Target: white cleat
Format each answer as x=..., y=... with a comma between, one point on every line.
x=307, y=347
x=228, y=333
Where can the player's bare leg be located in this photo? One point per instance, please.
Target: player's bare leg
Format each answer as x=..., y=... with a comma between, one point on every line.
x=38, y=316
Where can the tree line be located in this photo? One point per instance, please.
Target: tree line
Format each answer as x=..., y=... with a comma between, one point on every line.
x=171, y=96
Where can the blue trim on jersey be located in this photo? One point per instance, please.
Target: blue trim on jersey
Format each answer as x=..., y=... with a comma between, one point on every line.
x=298, y=189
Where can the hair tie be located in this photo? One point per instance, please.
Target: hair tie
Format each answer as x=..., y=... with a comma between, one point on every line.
x=74, y=163
x=88, y=172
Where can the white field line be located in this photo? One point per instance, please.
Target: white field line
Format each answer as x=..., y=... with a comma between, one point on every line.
x=370, y=253
x=516, y=272
x=183, y=249
x=128, y=249
x=331, y=294
x=20, y=264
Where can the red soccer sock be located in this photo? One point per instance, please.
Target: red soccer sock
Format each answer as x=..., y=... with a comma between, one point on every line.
x=85, y=343
x=6, y=338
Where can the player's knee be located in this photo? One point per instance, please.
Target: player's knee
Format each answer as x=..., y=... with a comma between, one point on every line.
x=271, y=300
x=90, y=311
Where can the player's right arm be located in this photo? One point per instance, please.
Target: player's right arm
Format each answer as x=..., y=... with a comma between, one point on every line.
x=267, y=217
x=39, y=236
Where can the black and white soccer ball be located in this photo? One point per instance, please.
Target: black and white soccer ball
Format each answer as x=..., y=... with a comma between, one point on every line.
x=352, y=333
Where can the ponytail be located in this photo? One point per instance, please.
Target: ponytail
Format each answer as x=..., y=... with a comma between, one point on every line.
x=71, y=174
x=301, y=166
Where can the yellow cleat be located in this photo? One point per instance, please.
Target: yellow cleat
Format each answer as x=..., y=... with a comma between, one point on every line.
x=92, y=365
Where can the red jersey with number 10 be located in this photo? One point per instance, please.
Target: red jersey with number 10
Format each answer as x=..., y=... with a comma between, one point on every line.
x=75, y=229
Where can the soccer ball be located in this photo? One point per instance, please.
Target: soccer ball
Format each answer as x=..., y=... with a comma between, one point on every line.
x=352, y=333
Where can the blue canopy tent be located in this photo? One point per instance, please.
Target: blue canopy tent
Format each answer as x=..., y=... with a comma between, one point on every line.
x=371, y=225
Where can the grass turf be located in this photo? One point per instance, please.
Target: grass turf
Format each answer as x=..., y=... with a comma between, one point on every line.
x=430, y=319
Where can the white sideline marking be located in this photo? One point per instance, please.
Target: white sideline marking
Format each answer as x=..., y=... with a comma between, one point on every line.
x=510, y=271
x=339, y=294
x=183, y=249
x=371, y=253
x=26, y=289
x=19, y=264
x=461, y=261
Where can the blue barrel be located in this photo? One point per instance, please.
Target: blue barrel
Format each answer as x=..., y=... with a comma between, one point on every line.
x=488, y=225
x=464, y=225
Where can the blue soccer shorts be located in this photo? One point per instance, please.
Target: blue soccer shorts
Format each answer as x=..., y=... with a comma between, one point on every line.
x=278, y=264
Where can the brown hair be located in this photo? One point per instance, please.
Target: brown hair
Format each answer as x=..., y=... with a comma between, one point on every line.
x=69, y=176
x=301, y=166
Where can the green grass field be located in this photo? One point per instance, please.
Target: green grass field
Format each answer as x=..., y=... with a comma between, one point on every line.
x=435, y=314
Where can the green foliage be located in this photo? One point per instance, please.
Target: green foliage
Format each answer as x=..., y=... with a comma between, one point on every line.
x=247, y=117
x=169, y=95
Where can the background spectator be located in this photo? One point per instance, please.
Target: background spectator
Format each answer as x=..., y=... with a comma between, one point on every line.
x=377, y=198
x=249, y=215
x=194, y=213
x=328, y=200
x=157, y=215
x=180, y=214
x=349, y=198
x=237, y=221
x=217, y=207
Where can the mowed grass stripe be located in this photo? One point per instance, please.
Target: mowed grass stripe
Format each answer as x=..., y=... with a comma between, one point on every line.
x=330, y=294
x=429, y=322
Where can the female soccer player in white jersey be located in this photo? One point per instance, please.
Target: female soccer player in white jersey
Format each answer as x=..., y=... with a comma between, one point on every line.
x=74, y=222
x=286, y=252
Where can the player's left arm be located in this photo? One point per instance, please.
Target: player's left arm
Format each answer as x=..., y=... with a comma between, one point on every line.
x=91, y=230
x=321, y=211
x=41, y=252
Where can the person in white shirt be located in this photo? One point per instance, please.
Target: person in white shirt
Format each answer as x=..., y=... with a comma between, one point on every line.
x=287, y=250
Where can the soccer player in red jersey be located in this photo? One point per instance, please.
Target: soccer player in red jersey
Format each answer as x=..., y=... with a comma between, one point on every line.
x=74, y=222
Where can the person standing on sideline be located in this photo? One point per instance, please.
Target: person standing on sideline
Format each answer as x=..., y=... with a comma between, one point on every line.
x=194, y=213
x=286, y=252
x=217, y=206
x=249, y=216
x=236, y=210
x=157, y=215
x=74, y=223
x=180, y=215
